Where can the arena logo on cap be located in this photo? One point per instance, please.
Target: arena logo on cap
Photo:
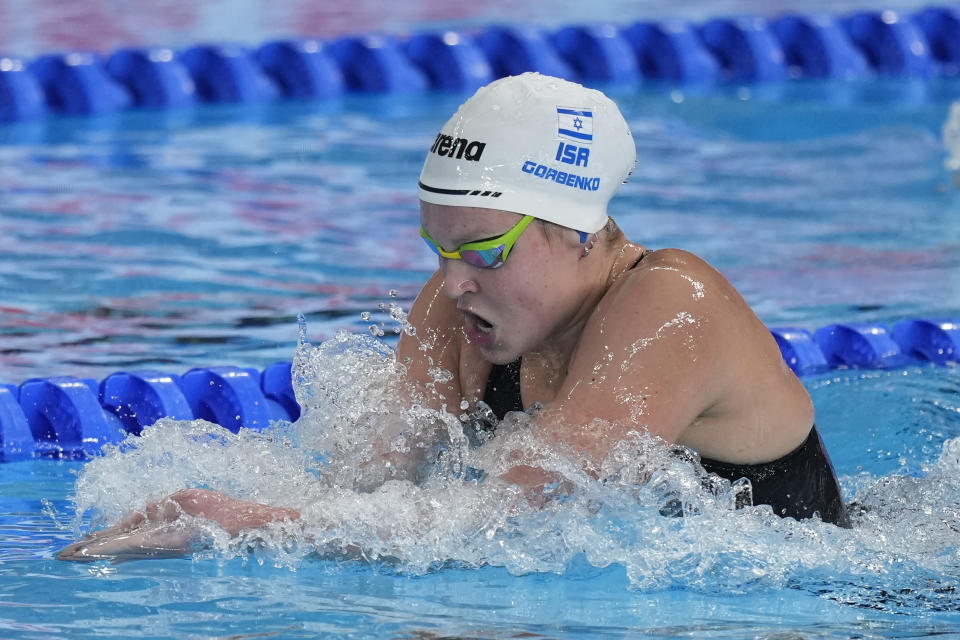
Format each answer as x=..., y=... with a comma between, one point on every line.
x=458, y=147
x=575, y=123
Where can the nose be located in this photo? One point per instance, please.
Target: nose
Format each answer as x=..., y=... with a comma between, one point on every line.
x=457, y=278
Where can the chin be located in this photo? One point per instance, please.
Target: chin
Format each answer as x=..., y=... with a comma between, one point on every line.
x=498, y=354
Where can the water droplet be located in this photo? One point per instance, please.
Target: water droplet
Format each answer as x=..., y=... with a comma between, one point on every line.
x=365, y=316
x=375, y=330
x=409, y=329
x=302, y=338
x=464, y=405
x=393, y=293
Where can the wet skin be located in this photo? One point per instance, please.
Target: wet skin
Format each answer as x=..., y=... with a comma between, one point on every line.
x=668, y=346
x=161, y=531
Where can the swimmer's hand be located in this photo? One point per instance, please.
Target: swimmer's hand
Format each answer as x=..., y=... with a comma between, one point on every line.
x=160, y=531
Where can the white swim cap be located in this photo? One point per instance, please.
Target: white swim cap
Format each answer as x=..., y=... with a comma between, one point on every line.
x=532, y=144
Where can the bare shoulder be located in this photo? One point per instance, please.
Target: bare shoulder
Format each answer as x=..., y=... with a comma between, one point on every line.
x=672, y=284
x=674, y=347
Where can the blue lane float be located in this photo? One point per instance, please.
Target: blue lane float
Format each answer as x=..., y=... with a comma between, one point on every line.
x=66, y=417
x=941, y=28
x=277, y=384
x=452, y=61
x=800, y=351
x=228, y=73
x=21, y=96
x=744, y=49
x=78, y=84
x=816, y=46
x=230, y=397
x=16, y=439
x=935, y=340
x=860, y=345
x=597, y=54
x=155, y=77
x=671, y=50
x=303, y=69
x=894, y=45
x=376, y=64
x=515, y=49
x=140, y=398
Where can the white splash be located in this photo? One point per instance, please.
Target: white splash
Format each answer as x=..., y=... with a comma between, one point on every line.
x=452, y=508
x=950, y=133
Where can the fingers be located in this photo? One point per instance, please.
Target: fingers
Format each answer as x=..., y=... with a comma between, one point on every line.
x=133, y=530
x=149, y=541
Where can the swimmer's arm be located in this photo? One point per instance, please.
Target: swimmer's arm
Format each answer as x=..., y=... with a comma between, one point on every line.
x=649, y=360
x=434, y=374
x=439, y=346
x=159, y=530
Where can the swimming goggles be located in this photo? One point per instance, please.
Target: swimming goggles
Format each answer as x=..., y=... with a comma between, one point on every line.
x=483, y=254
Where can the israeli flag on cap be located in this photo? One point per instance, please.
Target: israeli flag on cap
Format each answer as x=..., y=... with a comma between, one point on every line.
x=575, y=123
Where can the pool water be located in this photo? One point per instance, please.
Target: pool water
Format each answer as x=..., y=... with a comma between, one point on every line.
x=596, y=565
x=195, y=238
x=191, y=238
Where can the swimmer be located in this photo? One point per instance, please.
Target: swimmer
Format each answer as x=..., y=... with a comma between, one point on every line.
x=541, y=300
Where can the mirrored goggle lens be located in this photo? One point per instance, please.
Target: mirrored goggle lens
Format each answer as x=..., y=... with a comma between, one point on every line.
x=485, y=258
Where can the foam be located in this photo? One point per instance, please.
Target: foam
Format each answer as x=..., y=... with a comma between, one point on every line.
x=438, y=513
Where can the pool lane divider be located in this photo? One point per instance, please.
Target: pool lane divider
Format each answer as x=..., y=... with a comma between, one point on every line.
x=742, y=49
x=72, y=418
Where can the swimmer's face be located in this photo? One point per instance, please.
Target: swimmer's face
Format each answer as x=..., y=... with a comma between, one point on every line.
x=520, y=306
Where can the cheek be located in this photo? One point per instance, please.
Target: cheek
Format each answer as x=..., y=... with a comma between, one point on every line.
x=529, y=294
x=535, y=286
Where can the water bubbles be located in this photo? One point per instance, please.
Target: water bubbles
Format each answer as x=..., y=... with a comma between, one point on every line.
x=446, y=501
x=950, y=134
x=394, y=312
x=440, y=375
x=302, y=338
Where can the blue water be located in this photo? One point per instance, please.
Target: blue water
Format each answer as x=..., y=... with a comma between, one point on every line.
x=897, y=579
x=195, y=238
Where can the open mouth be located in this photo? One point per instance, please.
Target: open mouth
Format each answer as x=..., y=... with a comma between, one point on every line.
x=479, y=323
x=483, y=325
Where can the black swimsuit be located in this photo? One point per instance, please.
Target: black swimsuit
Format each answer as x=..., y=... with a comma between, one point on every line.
x=796, y=485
